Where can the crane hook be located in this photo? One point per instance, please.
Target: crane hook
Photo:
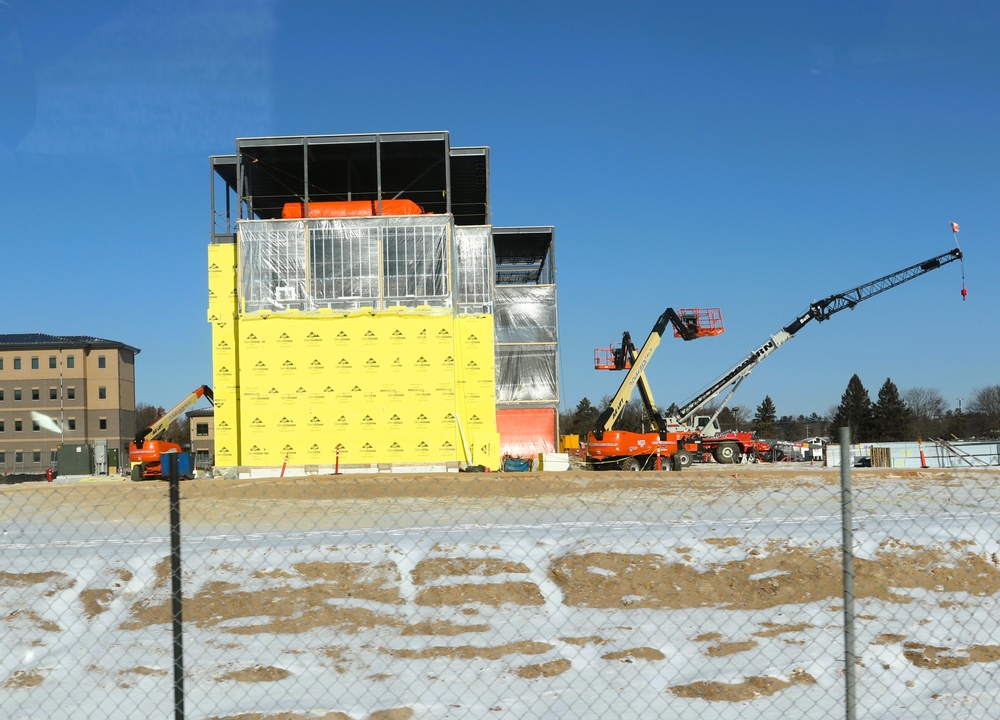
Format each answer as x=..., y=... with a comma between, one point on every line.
x=954, y=234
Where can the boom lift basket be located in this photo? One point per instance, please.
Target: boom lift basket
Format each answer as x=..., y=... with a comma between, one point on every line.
x=707, y=322
x=611, y=358
x=704, y=322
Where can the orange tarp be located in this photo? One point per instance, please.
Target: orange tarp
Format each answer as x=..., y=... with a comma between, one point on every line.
x=351, y=208
x=527, y=432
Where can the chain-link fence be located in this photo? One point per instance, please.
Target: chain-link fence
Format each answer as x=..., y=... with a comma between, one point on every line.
x=712, y=593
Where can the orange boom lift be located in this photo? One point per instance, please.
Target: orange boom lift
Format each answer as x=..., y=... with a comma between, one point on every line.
x=144, y=453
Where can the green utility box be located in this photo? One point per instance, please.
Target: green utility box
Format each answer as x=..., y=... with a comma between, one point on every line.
x=75, y=459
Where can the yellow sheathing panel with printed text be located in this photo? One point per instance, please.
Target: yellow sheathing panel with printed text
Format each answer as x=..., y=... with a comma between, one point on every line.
x=384, y=387
x=406, y=386
x=222, y=313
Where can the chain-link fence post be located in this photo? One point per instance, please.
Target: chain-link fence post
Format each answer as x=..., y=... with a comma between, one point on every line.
x=176, y=601
x=847, y=524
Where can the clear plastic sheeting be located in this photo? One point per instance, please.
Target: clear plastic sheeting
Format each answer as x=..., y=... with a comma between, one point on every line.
x=273, y=263
x=345, y=264
x=526, y=330
x=475, y=269
x=525, y=314
x=526, y=374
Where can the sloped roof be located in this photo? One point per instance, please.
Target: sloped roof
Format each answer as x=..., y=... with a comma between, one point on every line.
x=27, y=341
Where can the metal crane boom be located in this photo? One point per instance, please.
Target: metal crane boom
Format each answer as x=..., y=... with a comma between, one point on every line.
x=820, y=310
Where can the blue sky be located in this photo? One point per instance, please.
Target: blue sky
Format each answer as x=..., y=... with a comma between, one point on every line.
x=746, y=156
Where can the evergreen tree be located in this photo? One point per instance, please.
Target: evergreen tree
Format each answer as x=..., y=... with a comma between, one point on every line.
x=671, y=411
x=581, y=421
x=855, y=412
x=763, y=421
x=891, y=417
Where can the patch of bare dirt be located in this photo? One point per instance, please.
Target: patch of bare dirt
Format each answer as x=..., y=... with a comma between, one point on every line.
x=123, y=678
x=366, y=581
x=400, y=713
x=471, y=652
x=942, y=658
x=494, y=594
x=775, y=629
x=95, y=601
x=632, y=654
x=548, y=669
x=749, y=689
x=24, y=679
x=8, y=579
x=443, y=627
x=438, y=567
x=888, y=639
x=581, y=641
x=255, y=673
x=730, y=648
x=283, y=609
x=30, y=618
x=783, y=574
x=284, y=716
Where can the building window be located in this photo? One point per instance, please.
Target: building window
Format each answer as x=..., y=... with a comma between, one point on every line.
x=17, y=363
x=36, y=456
x=100, y=361
x=35, y=394
x=1, y=425
x=17, y=426
x=17, y=394
x=71, y=393
x=52, y=362
x=102, y=393
x=34, y=363
x=3, y=457
x=201, y=429
x=52, y=456
x=18, y=456
x=69, y=361
x=71, y=424
x=1, y=395
x=103, y=423
x=1, y=363
x=34, y=426
x=53, y=395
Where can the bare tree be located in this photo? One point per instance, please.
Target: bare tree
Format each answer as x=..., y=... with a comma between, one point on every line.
x=986, y=402
x=741, y=415
x=632, y=416
x=146, y=415
x=928, y=407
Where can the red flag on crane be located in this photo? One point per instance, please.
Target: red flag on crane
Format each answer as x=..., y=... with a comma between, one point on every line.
x=954, y=227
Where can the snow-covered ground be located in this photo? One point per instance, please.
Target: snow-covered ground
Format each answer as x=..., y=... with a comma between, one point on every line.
x=713, y=593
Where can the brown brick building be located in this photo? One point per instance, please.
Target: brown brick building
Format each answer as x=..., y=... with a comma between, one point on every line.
x=201, y=435
x=63, y=389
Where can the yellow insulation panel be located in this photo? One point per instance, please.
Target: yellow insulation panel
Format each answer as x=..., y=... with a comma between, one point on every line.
x=385, y=387
x=225, y=360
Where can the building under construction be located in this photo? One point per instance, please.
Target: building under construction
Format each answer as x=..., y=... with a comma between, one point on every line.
x=365, y=312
